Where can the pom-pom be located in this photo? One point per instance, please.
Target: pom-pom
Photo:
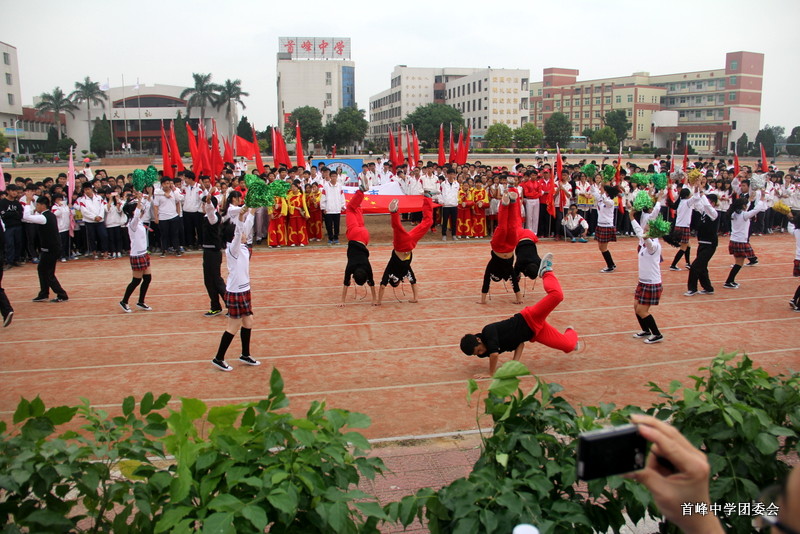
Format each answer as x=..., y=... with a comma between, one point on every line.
x=782, y=208
x=279, y=188
x=693, y=178
x=757, y=182
x=590, y=170
x=142, y=179
x=642, y=201
x=677, y=176
x=659, y=181
x=609, y=172
x=658, y=227
x=640, y=178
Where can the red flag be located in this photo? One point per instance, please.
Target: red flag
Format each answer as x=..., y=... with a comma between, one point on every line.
x=177, y=160
x=202, y=150
x=216, y=156
x=764, y=162
x=70, y=188
x=400, y=157
x=301, y=160
x=283, y=154
x=165, y=157
x=551, y=206
x=193, y=149
x=452, y=147
x=392, y=150
x=380, y=203
x=275, y=148
x=3, y=177
x=227, y=155
x=467, y=143
x=416, y=146
x=442, y=160
x=735, y=163
x=685, y=160
x=672, y=159
x=244, y=148
x=410, y=148
x=459, y=147
x=257, y=150
x=618, y=174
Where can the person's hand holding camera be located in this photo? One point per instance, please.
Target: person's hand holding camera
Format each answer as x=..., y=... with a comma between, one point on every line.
x=687, y=483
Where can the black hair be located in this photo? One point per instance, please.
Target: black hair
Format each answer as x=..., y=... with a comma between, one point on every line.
x=468, y=344
x=611, y=190
x=165, y=179
x=737, y=205
x=228, y=231
x=685, y=193
x=57, y=196
x=189, y=174
x=44, y=201
x=129, y=208
x=360, y=276
x=30, y=187
x=712, y=198
x=531, y=270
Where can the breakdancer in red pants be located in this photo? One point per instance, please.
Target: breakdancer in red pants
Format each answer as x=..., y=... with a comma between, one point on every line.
x=504, y=241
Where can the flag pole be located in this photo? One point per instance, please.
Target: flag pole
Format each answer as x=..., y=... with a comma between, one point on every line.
x=110, y=118
x=124, y=112
x=139, y=110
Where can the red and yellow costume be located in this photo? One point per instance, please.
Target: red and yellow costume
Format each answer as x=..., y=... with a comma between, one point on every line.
x=464, y=215
x=277, y=223
x=298, y=214
x=314, y=221
x=480, y=197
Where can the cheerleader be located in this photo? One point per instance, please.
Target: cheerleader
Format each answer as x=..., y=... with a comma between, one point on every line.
x=739, y=245
x=683, y=220
x=358, y=266
x=707, y=240
x=464, y=213
x=649, y=288
x=605, y=232
x=277, y=223
x=795, y=302
x=237, y=290
x=480, y=199
x=504, y=241
x=403, y=243
x=298, y=215
x=139, y=257
x=314, y=220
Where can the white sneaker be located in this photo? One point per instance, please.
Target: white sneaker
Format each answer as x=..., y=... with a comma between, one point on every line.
x=222, y=365
x=248, y=360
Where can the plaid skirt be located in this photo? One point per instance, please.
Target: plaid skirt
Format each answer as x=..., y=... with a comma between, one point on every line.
x=140, y=263
x=796, y=268
x=740, y=250
x=238, y=304
x=682, y=233
x=648, y=293
x=605, y=234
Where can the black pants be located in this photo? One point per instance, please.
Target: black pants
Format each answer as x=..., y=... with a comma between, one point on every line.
x=699, y=268
x=64, y=244
x=192, y=220
x=574, y=234
x=13, y=244
x=5, y=305
x=114, y=239
x=96, y=237
x=332, y=225
x=449, y=213
x=215, y=287
x=47, y=275
x=591, y=218
x=31, y=240
x=170, y=233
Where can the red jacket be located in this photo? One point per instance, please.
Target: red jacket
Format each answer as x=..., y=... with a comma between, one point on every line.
x=530, y=189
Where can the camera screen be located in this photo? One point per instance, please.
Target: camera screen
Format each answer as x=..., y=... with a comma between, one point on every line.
x=610, y=451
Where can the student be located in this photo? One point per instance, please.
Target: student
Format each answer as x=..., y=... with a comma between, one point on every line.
x=575, y=226
x=358, y=266
x=707, y=241
x=795, y=302
x=332, y=205
x=166, y=214
x=480, y=203
x=93, y=210
x=276, y=235
x=237, y=294
x=62, y=212
x=683, y=220
x=50, y=248
x=6, y=310
x=139, y=257
x=605, y=232
x=504, y=241
x=528, y=325
x=649, y=289
x=403, y=241
x=298, y=215
x=464, y=212
x=211, y=243
x=739, y=245
x=314, y=220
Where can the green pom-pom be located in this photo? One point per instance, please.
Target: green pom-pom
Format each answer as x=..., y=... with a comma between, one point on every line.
x=609, y=172
x=261, y=194
x=279, y=188
x=658, y=227
x=643, y=201
x=659, y=181
x=590, y=170
x=640, y=178
x=142, y=179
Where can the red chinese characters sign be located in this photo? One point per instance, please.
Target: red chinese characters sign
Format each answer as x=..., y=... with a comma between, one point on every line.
x=315, y=47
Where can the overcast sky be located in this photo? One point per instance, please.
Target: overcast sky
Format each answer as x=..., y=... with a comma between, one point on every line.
x=165, y=41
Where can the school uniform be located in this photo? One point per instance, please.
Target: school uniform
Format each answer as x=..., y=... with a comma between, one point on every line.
x=50, y=251
x=211, y=243
x=480, y=199
x=237, y=254
x=277, y=223
x=96, y=234
x=707, y=241
x=739, y=244
x=137, y=233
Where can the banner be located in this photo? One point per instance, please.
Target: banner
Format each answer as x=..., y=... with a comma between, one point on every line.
x=345, y=167
x=376, y=204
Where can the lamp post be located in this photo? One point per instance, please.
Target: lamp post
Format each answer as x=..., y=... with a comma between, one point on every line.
x=16, y=136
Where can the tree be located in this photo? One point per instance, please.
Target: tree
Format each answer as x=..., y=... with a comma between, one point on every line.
x=528, y=136
x=230, y=95
x=181, y=135
x=347, y=127
x=204, y=92
x=245, y=130
x=88, y=92
x=743, y=145
x=310, y=119
x=557, y=130
x=65, y=143
x=606, y=136
x=588, y=133
x=51, y=145
x=56, y=103
x=766, y=137
x=794, y=139
x=498, y=135
x=3, y=142
x=778, y=131
x=617, y=120
x=100, y=142
x=427, y=119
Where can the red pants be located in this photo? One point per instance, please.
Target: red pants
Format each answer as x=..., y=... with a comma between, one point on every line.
x=527, y=234
x=536, y=317
x=297, y=232
x=356, y=231
x=405, y=241
x=509, y=224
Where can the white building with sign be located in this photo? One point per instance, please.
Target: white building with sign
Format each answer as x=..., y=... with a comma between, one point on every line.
x=11, y=99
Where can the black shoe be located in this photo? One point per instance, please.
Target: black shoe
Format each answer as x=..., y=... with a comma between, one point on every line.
x=609, y=269
x=654, y=339
x=7, y=318
x=751, y=263
x=41, y=299
x=221, y=365
x=641, y=335
x=212, y=313
x=125, y=307
x=248, y=360
x=143, y=306
x=730, y=285
x=59, y=299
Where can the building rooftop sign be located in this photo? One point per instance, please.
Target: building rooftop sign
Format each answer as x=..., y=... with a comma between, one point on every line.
x=315, y=47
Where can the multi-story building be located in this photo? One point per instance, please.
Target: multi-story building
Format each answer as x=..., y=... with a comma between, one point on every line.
x=483, y=96
x=316, y=72
x=715, y=107
x=11, y=100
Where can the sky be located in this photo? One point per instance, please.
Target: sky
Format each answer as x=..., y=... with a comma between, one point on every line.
x=165, y=41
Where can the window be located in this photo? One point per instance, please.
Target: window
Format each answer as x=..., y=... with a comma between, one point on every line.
x=577, y=115
x=479, y=90
x=8, y=79
x=328, y=79
x=734, y=65
x=547, y=95
x=731, y=96
x=618, y=99
x=586, y=101
x=681, y=114
x=698, y=114
x=641, y=98
x=672, y=87
x=629, y=113
x=10, y=99
x=608, y=100
x=468, y=89
x=547, y=108
x=699, y=85
x=596, y=114
x=596, y=101
x=710, y=113
x=585, y=114
x=698, y=99
x=672, y=101
x=539, y=92
x=683, y=85
x=640, y=113
x=683, y=100
x=6, y=58
x=733, y=80
x=630, y=98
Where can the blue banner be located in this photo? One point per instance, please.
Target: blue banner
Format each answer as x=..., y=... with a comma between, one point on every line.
x=348, y=169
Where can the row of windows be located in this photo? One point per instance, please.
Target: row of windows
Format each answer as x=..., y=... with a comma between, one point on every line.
x=386, y=114
x=464, y=90
x=704, y=85
x=698, y=114
x=386, y=100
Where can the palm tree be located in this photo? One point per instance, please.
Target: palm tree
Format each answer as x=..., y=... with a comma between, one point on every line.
x=230, y=94
x=204, y=92
x=56, y=102
x=88, y=92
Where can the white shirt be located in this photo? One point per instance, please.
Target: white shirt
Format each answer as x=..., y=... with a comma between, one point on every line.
x=449, y=193
x=92, y=208
x=332, y=200
x=137, y=232
x=649, y=256
x=191, y=198
x=238, y=257
x=740, y=223
x=430, y=183
x=573, y=221
x=797, y=243
x=62, y=213
x=605, y=208
x=167, y=206
x=115, y=217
